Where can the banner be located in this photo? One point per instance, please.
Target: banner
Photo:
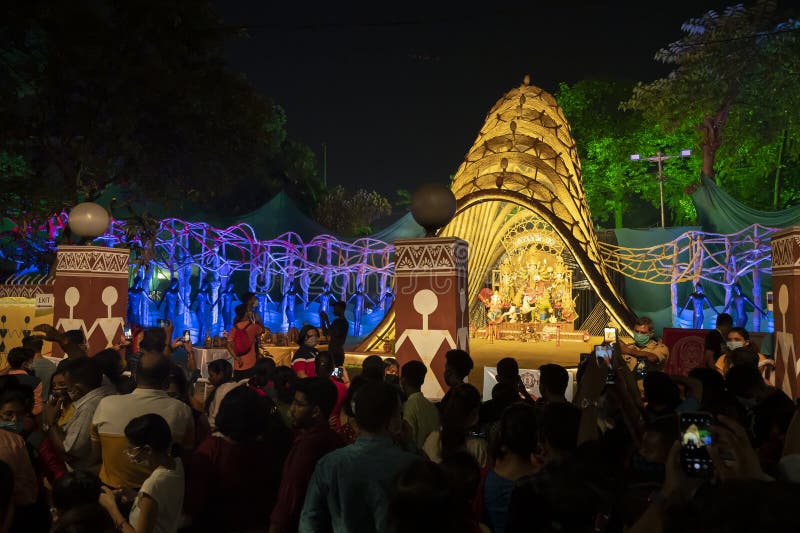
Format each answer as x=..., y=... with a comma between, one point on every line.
x=530, y=378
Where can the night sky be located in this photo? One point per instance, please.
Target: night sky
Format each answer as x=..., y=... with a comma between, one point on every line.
x=398, y=91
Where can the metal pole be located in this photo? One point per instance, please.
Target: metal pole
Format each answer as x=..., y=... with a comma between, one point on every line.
x=661, y=186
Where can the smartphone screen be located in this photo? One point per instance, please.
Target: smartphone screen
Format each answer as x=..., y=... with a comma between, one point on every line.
x=695, y=431
x=127, y=333
x=606, y=351
x=338, y=372
x=186, y=336
x=610, y=335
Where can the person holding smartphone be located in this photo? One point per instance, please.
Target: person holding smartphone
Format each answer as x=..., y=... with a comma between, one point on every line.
x=646, y=352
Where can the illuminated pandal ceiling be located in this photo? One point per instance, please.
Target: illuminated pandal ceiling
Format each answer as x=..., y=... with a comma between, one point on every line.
x=524, y=157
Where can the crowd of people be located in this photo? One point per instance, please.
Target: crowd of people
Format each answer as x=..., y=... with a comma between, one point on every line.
x=130, y=440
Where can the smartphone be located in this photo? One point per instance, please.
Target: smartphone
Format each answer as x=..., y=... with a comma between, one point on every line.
x=127, y=333
x=610, y=335
x=338, y=372
x=606, y=351
x=695, y=432
x=186, y=336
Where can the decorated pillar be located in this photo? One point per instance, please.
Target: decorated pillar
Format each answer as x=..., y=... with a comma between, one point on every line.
x=786, y=287
x=91, y=294
x=431, y=290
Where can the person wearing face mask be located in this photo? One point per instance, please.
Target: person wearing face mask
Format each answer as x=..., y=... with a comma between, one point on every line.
x=646, y=352
x=391, y=374
x=739, y=350
x=12, y=448
x=21, y=360
x=303, y=360
x=158, y=503
x=84, y=380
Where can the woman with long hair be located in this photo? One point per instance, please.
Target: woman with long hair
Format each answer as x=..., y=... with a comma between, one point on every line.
x=460, y=416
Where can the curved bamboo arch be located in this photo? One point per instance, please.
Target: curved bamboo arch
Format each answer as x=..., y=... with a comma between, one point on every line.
x=524, y=156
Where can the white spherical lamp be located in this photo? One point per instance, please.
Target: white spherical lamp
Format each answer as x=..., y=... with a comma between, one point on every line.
x=88, y=219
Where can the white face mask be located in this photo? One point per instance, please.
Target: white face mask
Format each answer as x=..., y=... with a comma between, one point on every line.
x=732, y=345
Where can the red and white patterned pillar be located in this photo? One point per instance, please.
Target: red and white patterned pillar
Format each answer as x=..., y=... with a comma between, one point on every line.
x=786, y=313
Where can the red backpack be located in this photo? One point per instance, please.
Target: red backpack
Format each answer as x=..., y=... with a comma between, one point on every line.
x=241, y=340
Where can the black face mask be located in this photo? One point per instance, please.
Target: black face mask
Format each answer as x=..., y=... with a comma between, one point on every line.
x=391, y=379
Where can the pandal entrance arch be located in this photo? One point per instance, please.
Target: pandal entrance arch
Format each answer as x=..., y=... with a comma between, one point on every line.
x=524, y=157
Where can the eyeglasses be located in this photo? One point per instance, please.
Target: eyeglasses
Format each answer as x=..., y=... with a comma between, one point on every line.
x=133, y=453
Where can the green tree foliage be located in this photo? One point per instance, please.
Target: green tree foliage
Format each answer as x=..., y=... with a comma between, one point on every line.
x=135, y=94
x=351, y=213
x=735, y=80
x=621, y=192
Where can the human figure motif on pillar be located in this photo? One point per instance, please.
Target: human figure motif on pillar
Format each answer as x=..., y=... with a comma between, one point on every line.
x=698, y=299
x=737, y=306
x=358, y=307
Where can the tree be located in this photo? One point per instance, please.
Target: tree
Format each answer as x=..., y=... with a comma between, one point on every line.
x=734, y=68
x=135, y=94
x=606, y=136
x=351, y=214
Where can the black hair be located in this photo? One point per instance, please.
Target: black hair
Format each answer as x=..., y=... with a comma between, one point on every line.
x=221, y=366
x=33, y=343
x=424, y=487
x=507, y=369
x=554, y=378
x=285, y=380
x=85, y=371
x=153, y=340
x=339, y=305
x=75, y=336
x=413, y=373
x=559, y=426
x=75, y=488
x=375, y=405
x=661, y=390
x=178, y=377
x=773, y=412
x=742, y=356
x=263, y=372
x=150, y=430
x=245, y=297
x=18, y=356
x=323, y=363
x=463, y=401
x=743, y=380
x=464, y=476
x=89, y=518
x=391, y=361
x=240, y=311
x=22, y=394
x=505, y=393
x=109, y=362
x=241, y=416
x=460, y=361
x=153, y=370
x=301, y=337
x=517, y=432
x=724, y=319
x=372, y=367
x=320, y=392
x=348, y=405
x=740, y=331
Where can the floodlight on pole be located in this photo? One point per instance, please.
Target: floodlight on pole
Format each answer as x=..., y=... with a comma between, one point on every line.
x=658, y=158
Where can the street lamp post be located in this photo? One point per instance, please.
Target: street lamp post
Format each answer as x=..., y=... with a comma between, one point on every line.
x=658, y=158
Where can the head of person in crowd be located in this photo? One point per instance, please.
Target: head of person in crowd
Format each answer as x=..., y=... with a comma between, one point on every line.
x=154, y=340
x=85, y=518
x=558, y=430
x=648, y=462
x=553, y=382
x=219, y=371
x=110, y=363
x=240, y=313
x=74, y=489
x=372, y=368
x=34, y=344
x=745, y=382
x=249, y=300
x=413, y=376
x=724, y=323
x=713, y=386
x=314, y=399
x=508, y=371
x=771, y=419
x=505, y=393
x=391, y=371
x=339, y=309
x=516, y=438
x=153, y=371
x=460, y=415
x=82, y=376
x=377, y=408
x=308, y=336
x=661, y=393
x=464, y=477
x=458, y=365
x=149, y=440
x=15, y=404
x=178, y=387
x=324, y=364
x=263, y=373
x=643, y=331
x=20, y=358
x=75, y=337
x=285, y=380
x=742, y=356
x=737, y=338
x=349, y=404
x=423, y=486
x=242, y=415
x=58, y=387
